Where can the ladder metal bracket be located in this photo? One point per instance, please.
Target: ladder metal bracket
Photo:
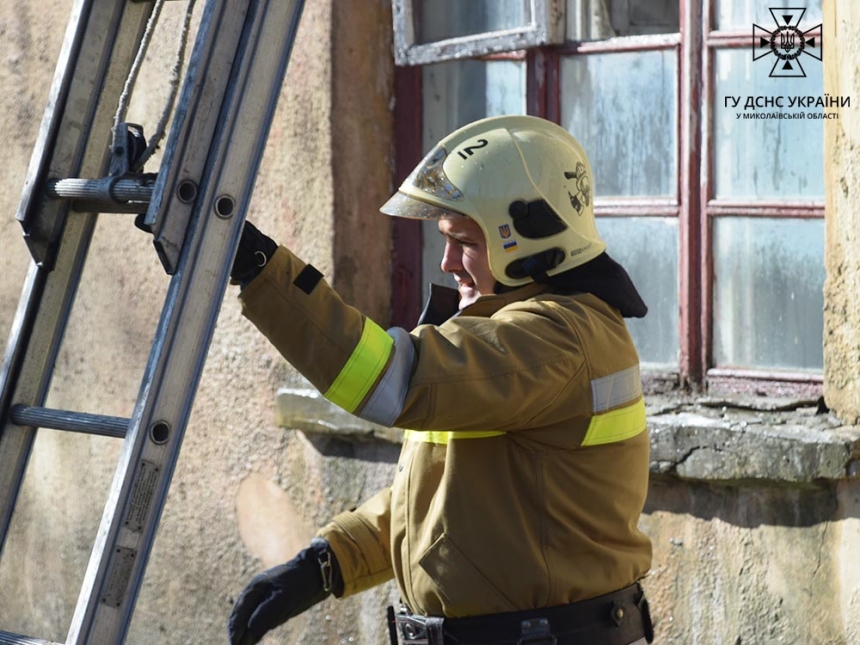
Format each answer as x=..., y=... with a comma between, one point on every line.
x=121, y=191
x=127, y=147
x=75, y=135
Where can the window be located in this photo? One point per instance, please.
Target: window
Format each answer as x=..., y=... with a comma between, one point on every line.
x=763, y=209
x=437, y=30
x=716, y=214
x=623, y=107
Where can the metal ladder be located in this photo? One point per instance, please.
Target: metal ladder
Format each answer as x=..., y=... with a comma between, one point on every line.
x=194, y=208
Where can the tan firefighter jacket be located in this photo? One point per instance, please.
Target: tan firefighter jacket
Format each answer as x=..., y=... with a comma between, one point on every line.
x=525, y=460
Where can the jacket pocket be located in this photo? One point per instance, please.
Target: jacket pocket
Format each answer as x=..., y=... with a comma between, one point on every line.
x=464, y=590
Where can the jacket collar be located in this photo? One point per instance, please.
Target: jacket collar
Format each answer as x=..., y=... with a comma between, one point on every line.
x=444, y=301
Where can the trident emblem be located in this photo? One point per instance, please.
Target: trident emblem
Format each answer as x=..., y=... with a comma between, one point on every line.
x=787, y=42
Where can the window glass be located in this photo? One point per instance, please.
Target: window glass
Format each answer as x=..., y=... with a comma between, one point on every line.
x=635, y=242
x=622, y=108
x=598, y=19
x=768, y=293
x=457, y=93
x=766, y=158
x=443, y=19
x=742, y=14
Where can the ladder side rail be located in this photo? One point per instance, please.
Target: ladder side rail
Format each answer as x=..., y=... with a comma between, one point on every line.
x=258, y=91
x=211, y=59
x=36, y=342
x=14, y=449
x=194, y=122
x=16, y=443
x=151, y=449
x=48, y=294
x=41, y=232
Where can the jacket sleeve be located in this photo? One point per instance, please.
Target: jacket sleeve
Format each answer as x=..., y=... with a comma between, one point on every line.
x=472, y=373
x=361, y=540
x=350, y=359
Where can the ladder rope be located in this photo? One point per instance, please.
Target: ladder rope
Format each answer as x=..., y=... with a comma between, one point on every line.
x=131, y=80
x=175, y=77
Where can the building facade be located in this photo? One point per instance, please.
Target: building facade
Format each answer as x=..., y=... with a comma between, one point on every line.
x=737, y=221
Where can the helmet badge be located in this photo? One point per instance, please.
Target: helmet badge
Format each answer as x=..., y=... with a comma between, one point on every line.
x=581, y=197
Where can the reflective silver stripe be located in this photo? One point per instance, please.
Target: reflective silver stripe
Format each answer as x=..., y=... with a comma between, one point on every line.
x=387, y=400
x=616, y=389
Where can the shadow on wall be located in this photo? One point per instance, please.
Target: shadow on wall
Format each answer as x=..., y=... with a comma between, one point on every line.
x=371, y=451
x=749, y=506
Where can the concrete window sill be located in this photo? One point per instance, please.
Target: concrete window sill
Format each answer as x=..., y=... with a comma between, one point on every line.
x=701, y=439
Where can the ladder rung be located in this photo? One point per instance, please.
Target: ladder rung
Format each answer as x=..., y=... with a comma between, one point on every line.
x=72, y=421
x=7, y=638
x=129, y=189
x=108, y=195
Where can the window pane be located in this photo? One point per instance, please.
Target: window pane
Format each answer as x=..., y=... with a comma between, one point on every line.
x=443, y=19
x=742, y=14
x=766, y=158
x=598, y=19
x=768, y=293
x=621, y=107
x=457, y=93
x=654, y=270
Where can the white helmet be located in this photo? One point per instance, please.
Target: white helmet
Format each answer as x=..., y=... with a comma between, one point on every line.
x=526, y=182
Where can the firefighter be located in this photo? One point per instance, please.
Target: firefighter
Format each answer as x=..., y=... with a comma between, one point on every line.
x=513, y=512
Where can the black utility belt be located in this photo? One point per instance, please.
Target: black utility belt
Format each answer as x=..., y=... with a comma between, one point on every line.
x=617, y=618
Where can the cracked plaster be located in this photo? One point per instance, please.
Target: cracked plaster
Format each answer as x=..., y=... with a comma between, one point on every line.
x=776, y=440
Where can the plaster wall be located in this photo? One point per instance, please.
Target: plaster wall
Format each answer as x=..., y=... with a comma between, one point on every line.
x=747, y=565
x=842, y=220
x=848, y=536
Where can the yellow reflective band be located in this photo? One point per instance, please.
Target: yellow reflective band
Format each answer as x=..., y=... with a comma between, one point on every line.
x=445, y=436
x=617, y=425
x=363, y=367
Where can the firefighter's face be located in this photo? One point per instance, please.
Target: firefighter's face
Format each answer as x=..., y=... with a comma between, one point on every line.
x=466, y=258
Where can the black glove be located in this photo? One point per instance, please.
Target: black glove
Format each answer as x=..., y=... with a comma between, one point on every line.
x=254, y=252
x=285, y=591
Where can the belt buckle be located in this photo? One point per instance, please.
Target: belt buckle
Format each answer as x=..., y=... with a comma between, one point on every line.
x=535, y=631
x=412, y=628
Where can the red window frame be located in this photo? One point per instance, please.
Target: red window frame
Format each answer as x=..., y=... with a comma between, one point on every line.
x=778, y=383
